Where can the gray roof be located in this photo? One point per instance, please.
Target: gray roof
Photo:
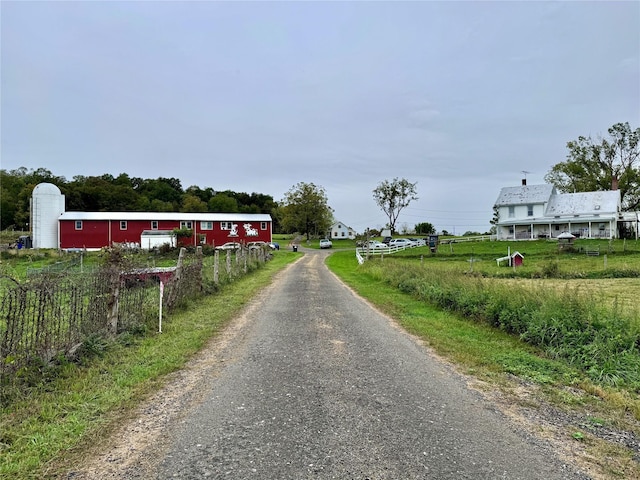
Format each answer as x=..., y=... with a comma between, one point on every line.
x=171, y=216
x=525, y=195
x=584, y=203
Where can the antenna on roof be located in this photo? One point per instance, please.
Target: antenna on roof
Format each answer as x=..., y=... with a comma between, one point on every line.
x=524, y=180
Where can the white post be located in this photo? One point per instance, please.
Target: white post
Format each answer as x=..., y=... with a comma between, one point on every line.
x=160, y=314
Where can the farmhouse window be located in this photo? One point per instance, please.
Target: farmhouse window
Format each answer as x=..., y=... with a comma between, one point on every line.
x=529, y=210
x=206, y=225
x=123, y=225
x=225, y=225
x=188, y=225
x=263, y=225
x=78, y=224
x=512, y=211
x=342, y=233
x=154, y=224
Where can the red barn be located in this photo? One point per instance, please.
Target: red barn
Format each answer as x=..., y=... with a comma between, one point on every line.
x=95, y=230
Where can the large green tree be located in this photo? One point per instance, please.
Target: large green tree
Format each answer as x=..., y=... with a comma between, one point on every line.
x=305, y=209
x=602, y=164
x=393, y=196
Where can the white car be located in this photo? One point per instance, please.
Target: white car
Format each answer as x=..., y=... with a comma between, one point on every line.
x=375, y=244
x=229, y=246
x=256, y=245
x=326, y=243
x=401, y=242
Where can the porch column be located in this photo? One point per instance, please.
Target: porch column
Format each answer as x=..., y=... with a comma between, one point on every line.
x=532, y=236
x=589, y=229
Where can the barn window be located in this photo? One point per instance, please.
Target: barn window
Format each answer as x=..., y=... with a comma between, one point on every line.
x=263, y=225
x=154, y=224
x=225, y=225
x=123, y=225
x=206, y=225
x=188, y=225
x=78, y=224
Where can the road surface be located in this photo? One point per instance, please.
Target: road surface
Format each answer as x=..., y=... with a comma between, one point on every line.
x=319, y=385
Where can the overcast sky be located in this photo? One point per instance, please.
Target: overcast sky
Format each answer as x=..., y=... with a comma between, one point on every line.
x=460, y=97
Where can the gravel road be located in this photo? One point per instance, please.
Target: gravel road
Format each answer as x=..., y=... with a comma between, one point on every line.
x=315, y=383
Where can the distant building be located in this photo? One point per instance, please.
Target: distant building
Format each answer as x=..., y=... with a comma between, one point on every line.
x=53, y=227
x=340, y=230
x=529, y=212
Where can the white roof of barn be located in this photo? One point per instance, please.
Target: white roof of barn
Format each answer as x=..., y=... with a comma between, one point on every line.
x=525, y=195
x=170, y=216
x=584, y=203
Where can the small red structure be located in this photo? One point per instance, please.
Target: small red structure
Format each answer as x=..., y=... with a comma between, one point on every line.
x=514, y=260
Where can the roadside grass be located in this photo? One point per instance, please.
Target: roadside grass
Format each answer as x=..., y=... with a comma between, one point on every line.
x=51, y=424
x=525, y=374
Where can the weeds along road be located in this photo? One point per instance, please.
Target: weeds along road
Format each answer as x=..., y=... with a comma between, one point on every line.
x=320, y=385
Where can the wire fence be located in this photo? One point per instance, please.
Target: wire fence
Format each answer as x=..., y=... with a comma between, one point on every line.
x=52, y=315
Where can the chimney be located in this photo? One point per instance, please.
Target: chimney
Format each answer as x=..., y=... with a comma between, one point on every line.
x=614, y=183
x=524, y=182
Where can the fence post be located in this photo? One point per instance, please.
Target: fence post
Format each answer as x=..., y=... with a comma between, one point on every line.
x=216, y=267
x=244, y=260
x=176, y=280
x=112, y=303
x=229, y=262
x=199, y=262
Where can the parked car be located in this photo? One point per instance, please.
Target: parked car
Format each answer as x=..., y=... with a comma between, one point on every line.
x=229, y=246
x=386, y=240
x=326, y=243
x=274, y=246
x=401, y=242
x=418, y=242
x=256, y=245
x=374, y=244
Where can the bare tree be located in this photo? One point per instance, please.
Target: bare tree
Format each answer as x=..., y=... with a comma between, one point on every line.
x=393, y=196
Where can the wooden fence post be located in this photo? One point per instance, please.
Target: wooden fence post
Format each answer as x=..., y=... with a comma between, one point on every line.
x=216, y=267
x=112, y=303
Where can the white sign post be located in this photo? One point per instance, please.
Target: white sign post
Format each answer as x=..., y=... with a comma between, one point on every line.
x=160, y=314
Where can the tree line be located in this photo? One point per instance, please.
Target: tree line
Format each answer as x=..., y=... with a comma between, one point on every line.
x=123, y=193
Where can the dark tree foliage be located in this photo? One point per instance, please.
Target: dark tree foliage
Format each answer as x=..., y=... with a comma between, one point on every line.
x=603, y=164
x=120, y=194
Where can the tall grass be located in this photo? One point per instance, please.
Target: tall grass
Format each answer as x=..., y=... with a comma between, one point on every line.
x=600, y=340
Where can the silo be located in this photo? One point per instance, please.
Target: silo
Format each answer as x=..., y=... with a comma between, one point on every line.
x=47, y=204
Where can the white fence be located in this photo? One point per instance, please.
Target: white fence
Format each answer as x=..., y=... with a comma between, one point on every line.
x=362, y=253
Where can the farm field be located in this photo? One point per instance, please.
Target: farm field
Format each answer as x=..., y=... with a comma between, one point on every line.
x=621, y=292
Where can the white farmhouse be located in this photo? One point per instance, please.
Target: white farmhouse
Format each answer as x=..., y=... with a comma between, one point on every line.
x=340, y=230
x=528, y=212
